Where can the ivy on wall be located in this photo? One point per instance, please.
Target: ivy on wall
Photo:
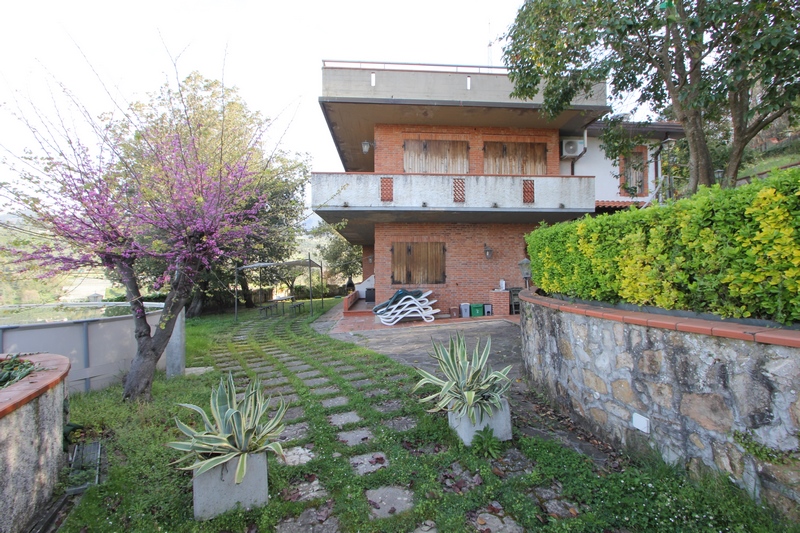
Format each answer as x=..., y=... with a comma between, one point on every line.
x=733, y=252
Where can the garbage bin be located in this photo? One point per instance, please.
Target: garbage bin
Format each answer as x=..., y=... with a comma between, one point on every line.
x=370, y=295
x=487, y=309
x=464, y=310
x=477, y=309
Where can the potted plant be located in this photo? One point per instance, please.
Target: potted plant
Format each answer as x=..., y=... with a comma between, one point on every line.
x=230, y=446
x=471, y=392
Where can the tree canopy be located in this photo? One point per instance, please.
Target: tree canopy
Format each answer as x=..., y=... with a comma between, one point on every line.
x=707, y=59
x=174, y=188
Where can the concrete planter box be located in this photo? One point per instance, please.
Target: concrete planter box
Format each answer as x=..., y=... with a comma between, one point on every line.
x=500, y=422
x=216, y=491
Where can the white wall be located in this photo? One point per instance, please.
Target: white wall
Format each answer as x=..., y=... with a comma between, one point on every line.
x=606, y=182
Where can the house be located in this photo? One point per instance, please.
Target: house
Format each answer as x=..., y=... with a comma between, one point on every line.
x=445, y=174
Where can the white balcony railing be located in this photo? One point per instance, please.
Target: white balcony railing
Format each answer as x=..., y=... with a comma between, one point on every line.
x=415, y=191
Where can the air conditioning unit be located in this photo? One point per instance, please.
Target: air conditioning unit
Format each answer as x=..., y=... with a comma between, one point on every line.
x=571, y=147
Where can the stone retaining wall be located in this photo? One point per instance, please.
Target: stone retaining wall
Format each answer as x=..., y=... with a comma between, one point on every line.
x=31, y=436
x=682, y=386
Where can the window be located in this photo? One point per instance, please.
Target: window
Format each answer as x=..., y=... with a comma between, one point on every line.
x=435, y=157
x=633, y=172
x=418, y=263
x=516, y=159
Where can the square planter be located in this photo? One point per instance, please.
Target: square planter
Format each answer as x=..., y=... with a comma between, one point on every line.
x=500, y=422
x=216, y=491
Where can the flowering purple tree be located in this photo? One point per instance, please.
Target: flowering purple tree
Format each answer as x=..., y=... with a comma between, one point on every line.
x=172, y=200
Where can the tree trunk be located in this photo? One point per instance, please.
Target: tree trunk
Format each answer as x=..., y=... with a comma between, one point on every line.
x=149, y=347
x=195, y=308
x=247, y=294
x=700, y=168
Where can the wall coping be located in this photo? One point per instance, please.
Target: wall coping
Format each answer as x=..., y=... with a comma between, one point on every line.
x=54, y=370
x=764, y=335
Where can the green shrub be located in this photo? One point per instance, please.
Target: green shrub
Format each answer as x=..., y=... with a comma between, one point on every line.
x=733, y=252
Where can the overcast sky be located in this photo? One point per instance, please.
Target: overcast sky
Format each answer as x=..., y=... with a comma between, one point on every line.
x=272, y=51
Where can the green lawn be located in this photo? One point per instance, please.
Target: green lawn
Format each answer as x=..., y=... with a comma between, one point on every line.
x=145, y=493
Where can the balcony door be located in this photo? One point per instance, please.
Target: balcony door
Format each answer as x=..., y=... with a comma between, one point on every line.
x=516, y=159
x=435, y=157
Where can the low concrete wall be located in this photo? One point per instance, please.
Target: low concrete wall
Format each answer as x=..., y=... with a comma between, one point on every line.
x=682, y=386
x=31, y=454
x=100, y=350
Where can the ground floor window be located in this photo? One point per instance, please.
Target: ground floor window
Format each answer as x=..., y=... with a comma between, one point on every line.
x=418, y=263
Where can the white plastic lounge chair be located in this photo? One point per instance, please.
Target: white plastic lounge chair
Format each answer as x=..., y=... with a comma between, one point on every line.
x=406, y=304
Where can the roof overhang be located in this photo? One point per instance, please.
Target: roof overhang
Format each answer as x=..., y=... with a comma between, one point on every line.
x=352, y=120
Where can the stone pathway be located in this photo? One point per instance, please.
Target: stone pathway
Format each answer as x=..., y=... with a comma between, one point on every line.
x=320, y=390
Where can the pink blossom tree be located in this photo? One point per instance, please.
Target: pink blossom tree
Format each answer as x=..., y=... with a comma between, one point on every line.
x=157, y=189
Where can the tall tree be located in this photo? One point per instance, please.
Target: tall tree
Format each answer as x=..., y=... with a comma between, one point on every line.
x=739, y=60
x=166, y=185
x=339, y=256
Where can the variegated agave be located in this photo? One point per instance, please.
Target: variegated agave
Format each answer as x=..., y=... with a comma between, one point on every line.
x=235, y=432
x=470, y=387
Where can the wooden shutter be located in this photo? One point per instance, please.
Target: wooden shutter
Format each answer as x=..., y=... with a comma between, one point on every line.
x=435, y=157
x=418, y=263
x=516, y=159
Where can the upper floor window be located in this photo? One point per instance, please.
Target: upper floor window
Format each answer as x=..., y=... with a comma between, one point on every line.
x=517, y=159
x=435, y=157
x=633, y=172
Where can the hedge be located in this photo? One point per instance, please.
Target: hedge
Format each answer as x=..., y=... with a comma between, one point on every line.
x=732, y=252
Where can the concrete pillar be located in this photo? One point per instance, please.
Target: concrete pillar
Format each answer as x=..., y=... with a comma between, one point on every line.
x=176, y=349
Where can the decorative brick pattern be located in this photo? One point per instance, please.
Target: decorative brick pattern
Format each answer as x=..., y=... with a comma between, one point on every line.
x=528, y=193
x=458, y=190
x=387, y=190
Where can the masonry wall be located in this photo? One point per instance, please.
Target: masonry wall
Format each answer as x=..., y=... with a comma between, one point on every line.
x=642, y=378
x=470, y=277
x=389, y=143
x=31, y=435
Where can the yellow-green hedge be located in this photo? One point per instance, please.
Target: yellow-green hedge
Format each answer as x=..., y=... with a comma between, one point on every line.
x=733, y=252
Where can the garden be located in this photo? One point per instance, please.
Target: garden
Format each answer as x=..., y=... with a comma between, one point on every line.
x=362, y=454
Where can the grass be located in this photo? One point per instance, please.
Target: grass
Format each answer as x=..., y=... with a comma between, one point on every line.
x=144, y=493
x=771, y=160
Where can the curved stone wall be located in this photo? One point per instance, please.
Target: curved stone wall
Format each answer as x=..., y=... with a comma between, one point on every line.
x=31, y=436
x=682, y=386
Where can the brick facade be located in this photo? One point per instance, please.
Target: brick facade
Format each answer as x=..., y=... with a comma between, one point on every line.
x=389, y=143
x=470, y=275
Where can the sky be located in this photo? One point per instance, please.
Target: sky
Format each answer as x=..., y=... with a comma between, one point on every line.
x=271, y=51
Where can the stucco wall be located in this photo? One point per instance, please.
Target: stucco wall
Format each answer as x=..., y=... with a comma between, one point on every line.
x=635, y=380
x=31, y=454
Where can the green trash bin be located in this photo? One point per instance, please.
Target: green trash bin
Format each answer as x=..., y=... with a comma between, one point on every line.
x=477, y=309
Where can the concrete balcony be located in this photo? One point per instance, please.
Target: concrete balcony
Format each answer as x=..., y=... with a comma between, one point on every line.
x=364, y=199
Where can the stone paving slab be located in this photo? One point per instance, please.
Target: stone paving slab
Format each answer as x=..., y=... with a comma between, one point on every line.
x=309, y=522
x=369, y=463
x=401, y=423
x=324, y=390
x=375, y=392
x=387, y=501
x=388, y=406
x=316, y=381
x=294, y=432
x=335, y=402
x=308, y=374
x=298, y=455
x=361, y=383
x=356, y=436
x=342, y=419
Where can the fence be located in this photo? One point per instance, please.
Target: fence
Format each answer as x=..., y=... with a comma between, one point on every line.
x=100, y=350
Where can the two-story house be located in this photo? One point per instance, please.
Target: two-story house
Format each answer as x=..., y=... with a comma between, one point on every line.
x=445, y=173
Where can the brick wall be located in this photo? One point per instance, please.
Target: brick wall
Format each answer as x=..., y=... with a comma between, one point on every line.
x=470, y=276
x=389, y=143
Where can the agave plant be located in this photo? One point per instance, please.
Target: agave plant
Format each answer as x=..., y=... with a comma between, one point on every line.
x=235, y=432
x=470, y=388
